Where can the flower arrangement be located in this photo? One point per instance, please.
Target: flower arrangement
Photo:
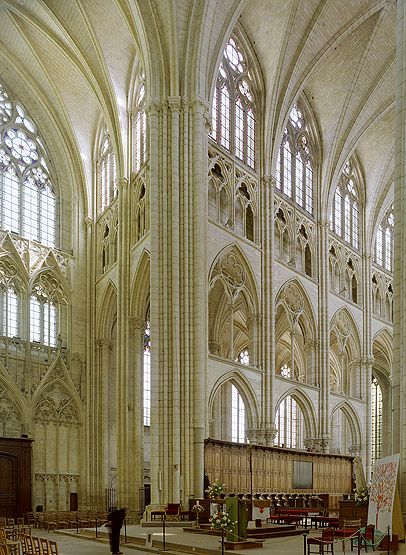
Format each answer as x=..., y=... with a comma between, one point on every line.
x=221, y=520
x=362, y=495
x=215, y=490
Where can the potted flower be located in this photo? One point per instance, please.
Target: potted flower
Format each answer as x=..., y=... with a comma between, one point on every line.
x=197, y=508
x=214, y=491
x=221, y=520
x=362, y=495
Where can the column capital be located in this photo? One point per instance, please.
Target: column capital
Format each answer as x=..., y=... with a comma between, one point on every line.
x=103, y=343
x=88, y=221
x=122, y=183
x=175, y=103
x=136, y=325
x=324, y=224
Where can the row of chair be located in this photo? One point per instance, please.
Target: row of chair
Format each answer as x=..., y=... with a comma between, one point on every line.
x=69, y=519
x=14, y=543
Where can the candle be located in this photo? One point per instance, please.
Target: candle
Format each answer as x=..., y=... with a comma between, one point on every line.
x=197, y=502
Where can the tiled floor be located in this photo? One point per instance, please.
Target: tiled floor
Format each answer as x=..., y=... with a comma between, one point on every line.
x=71, y=544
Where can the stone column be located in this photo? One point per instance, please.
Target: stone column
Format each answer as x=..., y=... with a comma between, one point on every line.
x=137, y=328
x=324, y=337
x=399, y=281
x=311, y=361
x=178, y=161
x=253, y=323
x=268, y=430
x=367, y=358
x=125, y=462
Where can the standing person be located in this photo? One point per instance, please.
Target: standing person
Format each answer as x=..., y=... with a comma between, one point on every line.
x=115, y=521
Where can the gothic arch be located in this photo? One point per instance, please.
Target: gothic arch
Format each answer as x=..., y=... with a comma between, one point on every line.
x=353, y=422
x=306, y=406
x=140, y=287
x=108, y=311
x=246, y=391
x=293, y=298
x=295, y=332
x=233, y=306
x=345, y=349
x=14, y=412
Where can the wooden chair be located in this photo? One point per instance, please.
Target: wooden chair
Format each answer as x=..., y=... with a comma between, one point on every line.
x=3, y=522
x=20, y=522
x=45, y=546
x=325, y=543
x=36, y=545
x=349, y=530
x=27, y=545
x=172, y=511
x=368, y=538
x=53, y=547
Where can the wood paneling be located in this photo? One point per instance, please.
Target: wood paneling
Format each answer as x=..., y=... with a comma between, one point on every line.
x=15, y=476
x=272, y=468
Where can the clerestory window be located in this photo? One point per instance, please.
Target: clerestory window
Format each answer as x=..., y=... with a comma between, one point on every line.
x=384, y=241
x=294, y=166
x=27, y=197
x=344, y=215
x=233, y=106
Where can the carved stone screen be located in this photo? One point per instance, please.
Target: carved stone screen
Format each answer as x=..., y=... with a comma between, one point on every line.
x=302, y=475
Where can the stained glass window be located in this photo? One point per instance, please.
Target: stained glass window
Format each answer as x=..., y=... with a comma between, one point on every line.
x=289, y=423
x=107, y=174
x=294, y=170
x=237, y=416
x=233, y=110
x=344, y=215
x=384, y=241
x=27, y=197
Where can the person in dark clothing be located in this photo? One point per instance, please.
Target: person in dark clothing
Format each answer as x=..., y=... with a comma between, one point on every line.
x=115, y=521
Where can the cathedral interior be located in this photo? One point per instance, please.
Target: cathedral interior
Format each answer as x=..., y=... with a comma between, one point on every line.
x=202, y=237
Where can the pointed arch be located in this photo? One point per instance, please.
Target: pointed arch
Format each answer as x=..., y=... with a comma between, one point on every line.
x=306, y=406
x=352, y=419
x=345, y=329
x=140, y=287
x=233, y=306
x=294, y=300
x=108, y=311
x=246, y=391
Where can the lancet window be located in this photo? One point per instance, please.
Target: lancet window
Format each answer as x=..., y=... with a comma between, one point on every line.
x=27, y=197
x=147, y=375
x=233, y=106
x=237, y=416
x=289, y=423
x=376, y=419
x=344, y=216
x=384, y=241
x=140, y=126
x=294, y=167
x=47, y=312
x=107, y=175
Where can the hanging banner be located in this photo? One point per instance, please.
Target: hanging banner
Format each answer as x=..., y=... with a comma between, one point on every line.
x=382, y=496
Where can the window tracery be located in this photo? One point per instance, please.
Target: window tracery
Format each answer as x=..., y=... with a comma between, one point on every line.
x=140, y=126
x=233, y=106
x=107, y=175
x=384, y=241
x=27, y=197
x=46, y=304
x=289, y=423
x=294, y=166
x=344, y=215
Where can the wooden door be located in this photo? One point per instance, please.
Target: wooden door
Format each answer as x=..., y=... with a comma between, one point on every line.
x=73, y=501
x=7, y=485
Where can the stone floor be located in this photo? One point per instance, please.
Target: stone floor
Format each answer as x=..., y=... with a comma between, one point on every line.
x=177, y=542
